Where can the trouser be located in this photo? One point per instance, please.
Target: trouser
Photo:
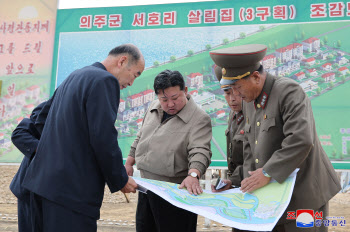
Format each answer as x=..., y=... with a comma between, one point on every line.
x=291, y=225
x=47, y=216
x=154, y=214
x=24, y=216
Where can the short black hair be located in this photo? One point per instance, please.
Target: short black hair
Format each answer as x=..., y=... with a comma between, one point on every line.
x=131, y=50
x=168, y=78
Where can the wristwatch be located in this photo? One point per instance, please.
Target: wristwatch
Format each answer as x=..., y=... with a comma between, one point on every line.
x=265, y=173
x=193, y=174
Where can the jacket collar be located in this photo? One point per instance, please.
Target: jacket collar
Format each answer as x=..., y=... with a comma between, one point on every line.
x=99, y=65
x=238, y=118
x=185, y=114
x=261, y=100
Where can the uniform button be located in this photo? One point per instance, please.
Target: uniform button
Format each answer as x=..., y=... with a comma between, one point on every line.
x=258, y=123
x=257, y=161
x=256, y=142
x=258, y=105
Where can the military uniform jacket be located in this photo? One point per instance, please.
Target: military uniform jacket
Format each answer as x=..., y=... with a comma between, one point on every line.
x=78, y=152
x=167, y=150
x=234, y=140
x=280, y=136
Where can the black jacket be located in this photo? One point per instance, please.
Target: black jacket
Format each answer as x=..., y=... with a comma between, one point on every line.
x=78, y=152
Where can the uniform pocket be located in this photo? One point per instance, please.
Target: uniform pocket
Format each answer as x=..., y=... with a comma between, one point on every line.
x=267, y=124
x=238, y=138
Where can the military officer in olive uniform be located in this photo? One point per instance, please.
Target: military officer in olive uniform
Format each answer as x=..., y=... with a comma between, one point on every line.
x=234, y=136
x=280, y=133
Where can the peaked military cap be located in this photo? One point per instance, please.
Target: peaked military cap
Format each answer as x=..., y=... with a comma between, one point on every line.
x=238, y=62
x=218, y=74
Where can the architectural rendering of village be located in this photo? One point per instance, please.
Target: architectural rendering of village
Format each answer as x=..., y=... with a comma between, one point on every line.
x=316, y=66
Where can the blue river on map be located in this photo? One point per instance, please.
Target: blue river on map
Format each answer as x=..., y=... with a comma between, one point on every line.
x=249, y=200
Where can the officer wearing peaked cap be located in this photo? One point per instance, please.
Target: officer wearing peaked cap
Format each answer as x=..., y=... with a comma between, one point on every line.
x=280, y=133
x=234, y=136
x=238, y=62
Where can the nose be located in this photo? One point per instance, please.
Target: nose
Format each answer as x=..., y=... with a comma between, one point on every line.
x=171, y=103
x=233, y=97
x=131, y=82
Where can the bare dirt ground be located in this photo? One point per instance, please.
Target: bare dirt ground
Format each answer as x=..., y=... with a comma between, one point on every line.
x=119, y=216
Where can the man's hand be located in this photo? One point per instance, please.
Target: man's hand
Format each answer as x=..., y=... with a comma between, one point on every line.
x=255, y=181
x=192, y=185
x=129, y=170
x=130, y=161
x=130, y=186
x=226, y=187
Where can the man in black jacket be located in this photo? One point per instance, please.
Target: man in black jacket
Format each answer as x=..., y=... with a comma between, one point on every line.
x=26, y=138
x=78, y=152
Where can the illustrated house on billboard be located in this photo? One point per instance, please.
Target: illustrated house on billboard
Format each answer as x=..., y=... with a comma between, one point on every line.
x=126, y=115
x=310, y=61
x=341, y=60
x=28, y=108
x=220, y=114
x=204, y=98
x=194, y=93
x=284, y=54
x=289, y=52
x=312, y=71
x=138, y=111
x=343, y=70
x=323, y=55
x=121, y=105
x=328, y=77
x=299, y=76
x=148, y=95
x=139, y=123
x=282, y=70
x=135, y=100
x=124, y=128
x=20, y=96
x=194, y=80
x=309, y=85
x=311, y=44
x=9, y=101
x=293, y=65
x=269, y=62
x=326, y=67
x=33, y=92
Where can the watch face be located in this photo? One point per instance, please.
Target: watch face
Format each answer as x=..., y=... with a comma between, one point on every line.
x=193, y=174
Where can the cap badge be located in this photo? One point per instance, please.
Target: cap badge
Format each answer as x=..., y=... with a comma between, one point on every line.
x=223, y=71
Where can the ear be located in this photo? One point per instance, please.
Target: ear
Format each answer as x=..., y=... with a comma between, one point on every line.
x=256, y=77
x=185, y=90
x=123, y=60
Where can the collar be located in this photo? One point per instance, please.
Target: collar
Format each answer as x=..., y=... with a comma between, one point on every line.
x=239, y=117
x=261, y=100
x=185, y=114
x=99, y=65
